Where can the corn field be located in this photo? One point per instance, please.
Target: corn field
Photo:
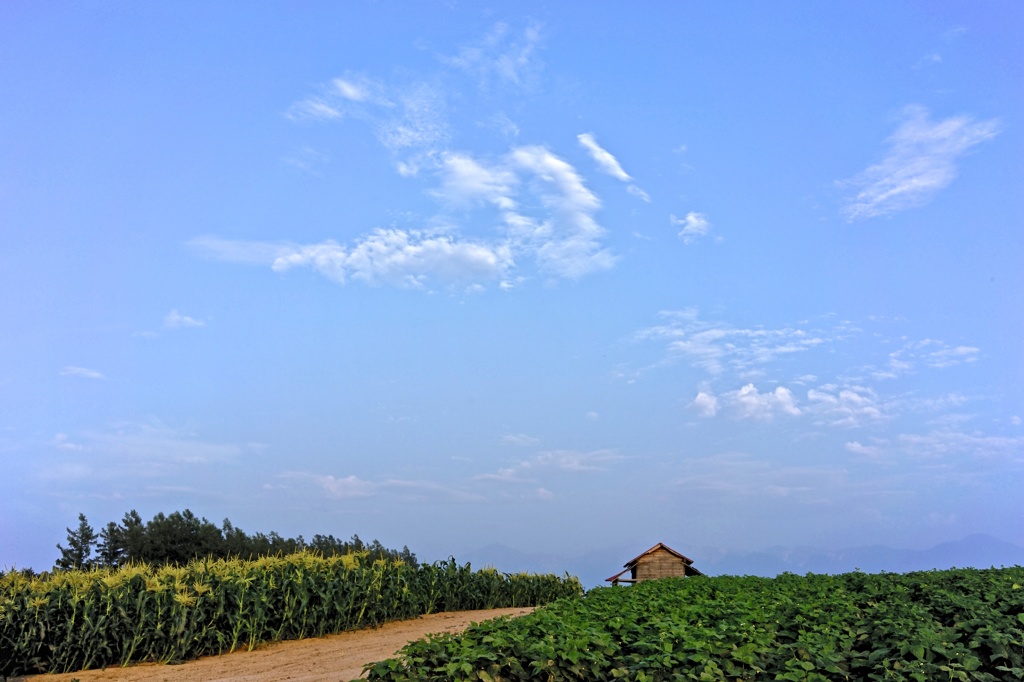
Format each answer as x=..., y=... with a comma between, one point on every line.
x=75, y=620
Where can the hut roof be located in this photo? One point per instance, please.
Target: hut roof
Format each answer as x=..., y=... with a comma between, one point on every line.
x=629, y=565
x=632, y=562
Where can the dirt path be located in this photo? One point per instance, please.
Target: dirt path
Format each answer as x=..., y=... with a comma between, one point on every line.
x=337, y=658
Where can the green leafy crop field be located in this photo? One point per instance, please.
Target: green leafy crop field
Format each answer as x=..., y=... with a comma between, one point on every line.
x=960, y=624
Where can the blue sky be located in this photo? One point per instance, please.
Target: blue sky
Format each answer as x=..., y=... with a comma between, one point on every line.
x=556, y=276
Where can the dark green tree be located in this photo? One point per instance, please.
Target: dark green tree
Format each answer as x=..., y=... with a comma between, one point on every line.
x=133, y=537
x=180, y=537
x=111, y=548
x=237, y=544
x=80, y=544
x=407, y=557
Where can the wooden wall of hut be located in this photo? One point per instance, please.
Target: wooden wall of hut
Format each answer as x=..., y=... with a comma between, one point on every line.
x=660, y=564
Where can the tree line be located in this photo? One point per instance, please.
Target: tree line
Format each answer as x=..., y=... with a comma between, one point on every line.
x=180, y=537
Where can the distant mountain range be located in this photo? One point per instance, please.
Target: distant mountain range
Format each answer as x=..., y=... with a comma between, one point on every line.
x=974, y=551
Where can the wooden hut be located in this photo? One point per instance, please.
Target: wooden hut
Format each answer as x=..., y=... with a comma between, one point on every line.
x=660, y=561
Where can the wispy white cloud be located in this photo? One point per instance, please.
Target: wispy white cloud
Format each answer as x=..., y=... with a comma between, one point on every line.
x=557, y=230
x=568, y=244
x=520, y=439
x=175, y=320
x=503, y=124
x=930, y=353
x=545, y=464
x=694, y=226
x=934, y=404
x=406, y=118
x=352, y=90
x=353, y=487
x=848, y=407
x=313, y=109
x=240, y=251
x=506, y=475
x=131, y=450
x=949, y=443
x=897, y=365
x=951, y=356
x=603, y=158
x=337, y=487
x=546, y=213
x=954, y=33
x=159, y=443
x=920, y=162
x=638, y=193
x=341, y=97
x=567, y=192
x=849, y=400
x=307, y=160
x=430, y=490
x=722, y=349
x=418, y=120
x=63, y=442
x=609, y=164
x=958, y=449
x=81, y=372
x=858, y=448
x=928, y=60
x=503, y=55
x=466, y=181
x=717, y=347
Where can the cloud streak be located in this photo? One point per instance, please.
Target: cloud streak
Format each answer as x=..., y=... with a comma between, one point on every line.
x=921, y=161
x=81, y=373
x=175, y=320
x=607, y=163
x=520, y=439
x=552, y=462
x=604, y=160
x=353, y=487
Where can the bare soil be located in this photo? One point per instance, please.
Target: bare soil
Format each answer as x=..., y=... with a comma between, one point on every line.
x=338, y=658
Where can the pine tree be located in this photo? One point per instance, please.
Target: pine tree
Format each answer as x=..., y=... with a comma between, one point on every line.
x=133, y=537
x=111, y=548
x=80, y=544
